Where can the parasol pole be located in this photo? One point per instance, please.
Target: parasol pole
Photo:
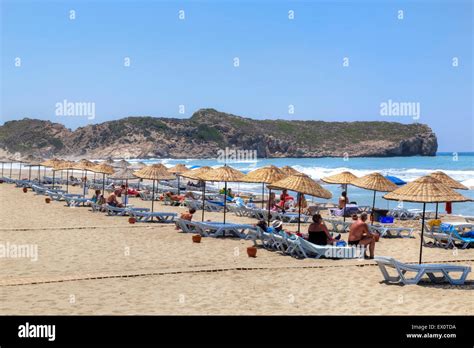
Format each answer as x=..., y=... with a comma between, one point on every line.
x=263, y=194
x=203, y=198
x=436, y=217
x=422, y=231
x=67, y=180
x=103, y=184
x=299, y=211
x=19, y=174
x=225, y=200
x=269, y=216
x=29, y=173
x=126, y=192
x=54, y=172
x=373, y=213
x=11, y=167
x=179, y=191
x=153, y=199
x=2, y=169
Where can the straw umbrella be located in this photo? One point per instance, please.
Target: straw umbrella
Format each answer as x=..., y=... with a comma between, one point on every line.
x=303, y=184
x=85, y=165
x=289, y=170
x=67, y=166
x=177, y=170
x=124, y=174
x=424, y=190
x=103, y=169
x=448, y=181
x=224, y=174
x=375, y=182
x=153, y=172
x=196, y=174
x=265, y=175
x=343, y=178
x=51, y=163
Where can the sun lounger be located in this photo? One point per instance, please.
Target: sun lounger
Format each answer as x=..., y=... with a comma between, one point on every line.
x=145, y=216
x=453, y=230
x=75, y=201
x=193, y=204
x=145, y=196
x=338, y=226
x=392, y=231
x=290, y=217
x=309, y=249
x=55, y=195
x=213, y=207
x=430, y=270
x=39, y=190
x=188, y=226
x=219, y=229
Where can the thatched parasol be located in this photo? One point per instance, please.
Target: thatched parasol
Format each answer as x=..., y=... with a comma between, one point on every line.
x=51, y=163
x=124, y=174
x=448, y=181
x=153, y=172
x=375, y=182
x=85, y=165
x=67, y=166
x=223, y=174
x=178, y=170
x=265, y=175
x=289, y=170
x=343, y=178
x=303, y=184
x=196, y=174
x=424, y=190
x=102, y=168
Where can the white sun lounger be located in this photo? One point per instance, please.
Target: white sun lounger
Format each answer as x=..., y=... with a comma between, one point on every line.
x=309, y=249
x=336, y=225
x=420, y=270
x=212, y=207
x=145, y=216
x=392, y=231
x=219, y=229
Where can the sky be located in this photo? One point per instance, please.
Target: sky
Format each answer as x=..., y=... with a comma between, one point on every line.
x=305, y=60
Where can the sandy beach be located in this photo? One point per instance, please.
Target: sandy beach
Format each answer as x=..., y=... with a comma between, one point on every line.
x=91, y=263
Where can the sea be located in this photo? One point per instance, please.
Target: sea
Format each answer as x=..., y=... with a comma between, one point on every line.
x=460, y=166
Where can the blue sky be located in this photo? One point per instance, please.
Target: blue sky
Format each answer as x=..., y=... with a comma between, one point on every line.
x=282, y=62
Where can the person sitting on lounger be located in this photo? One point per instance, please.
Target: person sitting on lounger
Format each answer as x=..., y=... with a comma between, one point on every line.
x=343, y=200
x=96, y=197
x=263, y=225
x=112, y=199
x=188, y=215
x=359, y=235
x=276, y=226
x=318, y=232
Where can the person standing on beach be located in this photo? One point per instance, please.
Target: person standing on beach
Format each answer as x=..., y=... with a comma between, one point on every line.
x=359, y=235
x=343, y=200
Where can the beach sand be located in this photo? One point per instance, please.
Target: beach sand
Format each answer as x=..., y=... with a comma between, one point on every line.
x=90, y=263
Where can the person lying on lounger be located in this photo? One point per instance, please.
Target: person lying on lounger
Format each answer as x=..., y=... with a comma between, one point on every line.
x=359, y=235
x=112, y=199
x=343, y=200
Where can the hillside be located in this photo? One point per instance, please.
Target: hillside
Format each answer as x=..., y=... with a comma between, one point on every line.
x=208, y=131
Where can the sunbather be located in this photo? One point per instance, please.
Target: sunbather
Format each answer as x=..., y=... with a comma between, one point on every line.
x=276, y=227
x=318, y=233
x=188, y=215
x=112, y=199
x=359, y=235
x=343, y=200
x=263, y=225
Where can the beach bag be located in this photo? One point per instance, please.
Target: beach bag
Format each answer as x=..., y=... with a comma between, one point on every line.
x=341, y=243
